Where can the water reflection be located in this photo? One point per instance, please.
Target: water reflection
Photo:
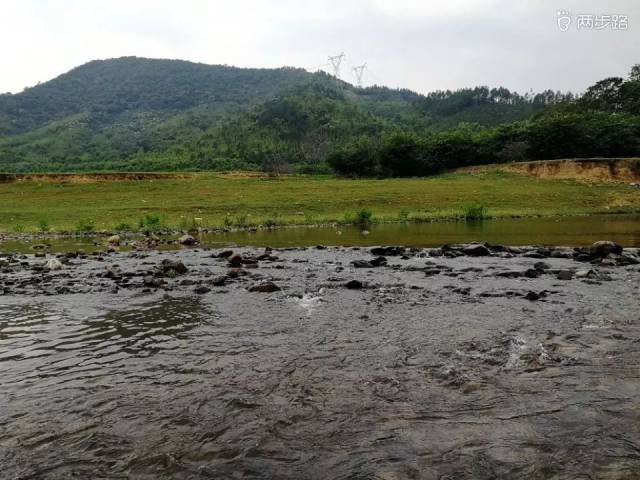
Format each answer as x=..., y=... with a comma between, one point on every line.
x=569, y=231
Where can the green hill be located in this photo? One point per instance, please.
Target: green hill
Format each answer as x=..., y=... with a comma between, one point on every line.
x=145, y=114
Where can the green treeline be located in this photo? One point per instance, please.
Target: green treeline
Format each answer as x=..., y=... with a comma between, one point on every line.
x=133, y=114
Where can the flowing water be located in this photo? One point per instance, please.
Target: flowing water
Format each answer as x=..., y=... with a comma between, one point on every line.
x=429, y=376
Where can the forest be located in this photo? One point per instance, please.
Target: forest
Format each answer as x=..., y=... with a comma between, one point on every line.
x=136, y=114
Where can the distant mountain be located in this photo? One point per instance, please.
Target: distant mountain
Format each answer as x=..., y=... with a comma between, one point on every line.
x=137, y=113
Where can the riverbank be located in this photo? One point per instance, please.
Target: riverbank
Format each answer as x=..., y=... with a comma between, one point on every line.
x=385, y=362
x=215, y=201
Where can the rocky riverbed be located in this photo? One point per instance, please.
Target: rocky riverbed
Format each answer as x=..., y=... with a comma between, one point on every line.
x=466, y=361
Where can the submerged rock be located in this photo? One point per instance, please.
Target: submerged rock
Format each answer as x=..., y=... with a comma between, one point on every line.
x=361, y=264
x=564, y=275
x=389, y=251
x=265, y=287
x=354, y=284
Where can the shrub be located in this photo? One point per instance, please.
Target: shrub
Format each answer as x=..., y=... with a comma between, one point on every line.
x=186, y=223
x=122, y=227
x=152, y=222
x=85, y=225
x=43, y=225
x=363, y=218
x=240, y=221
x=475, y=211
x=270, y=223
x=19, y=228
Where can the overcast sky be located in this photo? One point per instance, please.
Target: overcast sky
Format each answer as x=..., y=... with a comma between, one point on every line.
x=417, y=44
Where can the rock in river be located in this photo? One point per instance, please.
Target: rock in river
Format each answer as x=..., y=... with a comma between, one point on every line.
x=172, y=266
x=603, y=248
x=476, y=250
x=187, y=240
x=354, y=284
x=114, y=240
x=53, y=264
x=265, y=287
x=235, y=261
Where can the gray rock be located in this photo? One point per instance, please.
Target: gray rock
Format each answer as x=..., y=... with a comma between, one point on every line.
x=603, y=248
x=53, y=264
x=564, y=275
x=265, y=287
x=354, y=285
x=172, y=266
x=476, y=250
x=114, y=240
x=187, y=240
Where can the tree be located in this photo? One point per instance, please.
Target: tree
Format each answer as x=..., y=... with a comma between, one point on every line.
x=634, y=74
x=604, y=95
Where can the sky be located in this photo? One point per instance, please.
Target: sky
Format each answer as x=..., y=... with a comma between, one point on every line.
x=417, y=44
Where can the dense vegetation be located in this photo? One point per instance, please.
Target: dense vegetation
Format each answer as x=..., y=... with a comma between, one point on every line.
x=165, y=115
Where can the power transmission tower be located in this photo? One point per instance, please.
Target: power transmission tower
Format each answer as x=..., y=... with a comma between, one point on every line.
x=336, y=60
x=359, y=70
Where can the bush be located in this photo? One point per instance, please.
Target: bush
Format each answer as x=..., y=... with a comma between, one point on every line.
x=85, y=225
x=475, y=211
x=363, y=218
x=188, y=223
x=240, y=221
x=43, y=225
x=270, y=223
x=152, y=222
x=122, y=227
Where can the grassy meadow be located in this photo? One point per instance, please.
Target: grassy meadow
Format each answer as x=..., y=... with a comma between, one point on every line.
x=84, y=203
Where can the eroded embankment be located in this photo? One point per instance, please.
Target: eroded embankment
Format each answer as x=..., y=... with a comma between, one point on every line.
x=588, y=169
x=87, y=177
x=466, y=362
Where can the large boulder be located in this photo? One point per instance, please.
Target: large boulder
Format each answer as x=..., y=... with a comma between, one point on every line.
x=603, y=248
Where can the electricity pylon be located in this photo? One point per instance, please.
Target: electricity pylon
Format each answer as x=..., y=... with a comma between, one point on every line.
x=359, y=70
x=336, y=60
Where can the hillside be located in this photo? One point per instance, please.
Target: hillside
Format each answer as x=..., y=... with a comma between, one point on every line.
x=134, y=113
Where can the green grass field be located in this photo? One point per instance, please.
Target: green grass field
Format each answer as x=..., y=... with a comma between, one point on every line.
x=212, y=200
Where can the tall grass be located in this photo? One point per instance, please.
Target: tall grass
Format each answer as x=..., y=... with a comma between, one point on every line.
x=475, y=211
x=152, y=222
